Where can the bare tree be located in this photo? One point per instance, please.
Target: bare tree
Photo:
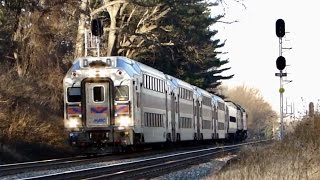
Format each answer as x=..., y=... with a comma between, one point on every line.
x=261, y=114
x=79, y=47
x=130, y=26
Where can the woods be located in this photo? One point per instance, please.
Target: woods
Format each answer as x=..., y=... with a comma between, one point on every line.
x=39, y=39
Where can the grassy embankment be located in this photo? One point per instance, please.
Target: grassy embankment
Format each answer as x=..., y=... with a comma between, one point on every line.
x=31, y=117
x=297, y=157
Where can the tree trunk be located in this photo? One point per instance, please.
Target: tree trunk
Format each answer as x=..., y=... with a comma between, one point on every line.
x=113, y=11
x=16, y=53
x=79, y=48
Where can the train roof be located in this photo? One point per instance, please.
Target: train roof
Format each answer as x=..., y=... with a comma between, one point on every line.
x=217, y=98
x=125, y=63
x=181, y=83
x=238, y=106
x=230, y=103
x=132, y=67
x=203, y=92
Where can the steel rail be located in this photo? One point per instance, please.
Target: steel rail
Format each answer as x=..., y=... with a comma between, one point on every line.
x=9, y=169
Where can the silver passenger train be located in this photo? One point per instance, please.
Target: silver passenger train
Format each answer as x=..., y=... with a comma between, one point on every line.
x=118, y=102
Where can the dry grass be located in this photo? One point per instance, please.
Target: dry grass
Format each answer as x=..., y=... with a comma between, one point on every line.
x=31, y=110
x=297, y=157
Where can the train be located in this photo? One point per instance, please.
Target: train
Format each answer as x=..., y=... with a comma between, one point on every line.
x=116, y=102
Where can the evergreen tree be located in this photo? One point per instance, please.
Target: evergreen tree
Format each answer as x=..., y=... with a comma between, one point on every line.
x=193, y=54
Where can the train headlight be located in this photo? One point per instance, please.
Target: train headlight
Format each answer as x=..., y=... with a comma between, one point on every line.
x=123, y=121
x=74, y=122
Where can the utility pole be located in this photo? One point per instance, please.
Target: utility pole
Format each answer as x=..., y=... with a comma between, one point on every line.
x=281, y=64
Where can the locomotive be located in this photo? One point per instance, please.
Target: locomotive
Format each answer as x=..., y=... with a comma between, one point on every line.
x=116, y=102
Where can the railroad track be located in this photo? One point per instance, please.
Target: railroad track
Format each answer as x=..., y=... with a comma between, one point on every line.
x=9, y=169
x=25, y=167
x=17, y=168
x=146, y=167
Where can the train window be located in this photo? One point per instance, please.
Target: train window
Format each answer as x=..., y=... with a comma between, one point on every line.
x=98, y=94
x=158, y=85
x=183, y=122
x=232, y=119
x=157, y=120
x=163, y=86
x=145, y=119
x=153, y=120
x=150, y=83
x=220, y=126
x=188, y=95
x=221, y=106
x=185, y=94
x=74, y=94
x=154, y=84
x=145, y=81
x=121, y=93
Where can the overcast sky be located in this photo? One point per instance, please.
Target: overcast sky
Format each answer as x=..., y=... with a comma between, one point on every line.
x=254, y=47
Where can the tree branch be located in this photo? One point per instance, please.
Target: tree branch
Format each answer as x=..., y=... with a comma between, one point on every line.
x=104, y=7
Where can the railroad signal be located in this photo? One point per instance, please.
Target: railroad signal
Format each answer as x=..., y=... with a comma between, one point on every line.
x=281, y=63
x=280, y=28
x=96, y=27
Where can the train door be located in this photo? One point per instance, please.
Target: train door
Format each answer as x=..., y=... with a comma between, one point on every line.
x=98, y=103
x=198, y=118
x=227, y=121
x=173, y=117
x=215, y=120
x=167, y=119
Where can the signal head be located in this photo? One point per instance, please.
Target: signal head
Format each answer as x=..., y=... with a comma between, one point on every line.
x=280, y=28
x=281, y=63
x=96, y=27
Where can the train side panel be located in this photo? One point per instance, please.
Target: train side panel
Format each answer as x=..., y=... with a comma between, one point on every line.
x=221, y=118
x=153, y=105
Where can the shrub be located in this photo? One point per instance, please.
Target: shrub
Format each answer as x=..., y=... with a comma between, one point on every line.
x=296, y=157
